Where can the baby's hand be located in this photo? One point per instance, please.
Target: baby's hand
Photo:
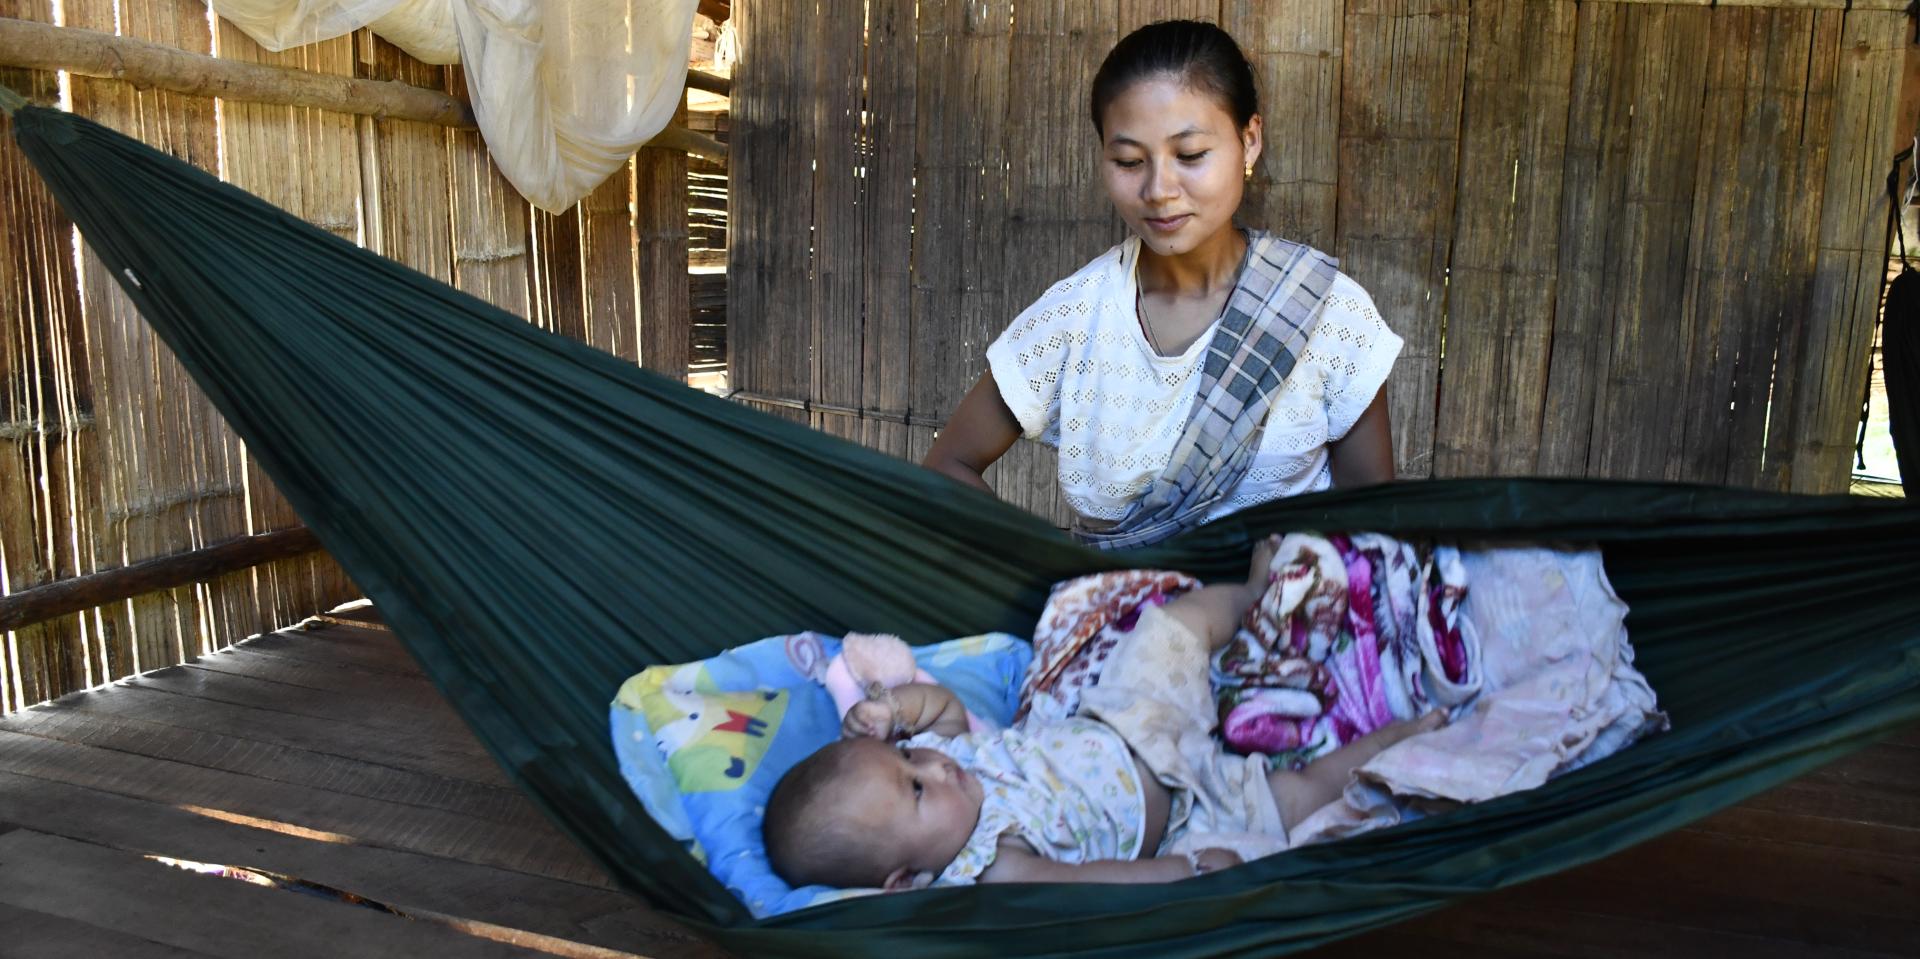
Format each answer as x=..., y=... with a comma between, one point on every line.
x=1431, y=720
x=868, y=719
x=1214, y=860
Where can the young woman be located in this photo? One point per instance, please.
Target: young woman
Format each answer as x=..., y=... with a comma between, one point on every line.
x=1196, y=368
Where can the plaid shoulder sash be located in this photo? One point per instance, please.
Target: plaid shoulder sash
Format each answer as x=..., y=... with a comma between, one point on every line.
x=1269, y=315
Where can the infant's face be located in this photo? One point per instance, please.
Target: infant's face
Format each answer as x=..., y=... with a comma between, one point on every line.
x=917, y=802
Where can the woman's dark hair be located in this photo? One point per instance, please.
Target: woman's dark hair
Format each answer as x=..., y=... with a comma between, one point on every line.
x=1202, y=55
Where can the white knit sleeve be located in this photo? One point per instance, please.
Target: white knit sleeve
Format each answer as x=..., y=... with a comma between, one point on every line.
x=1355, y=348
x=1028, y=359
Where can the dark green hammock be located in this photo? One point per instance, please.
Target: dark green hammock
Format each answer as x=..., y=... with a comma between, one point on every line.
x=538, y=520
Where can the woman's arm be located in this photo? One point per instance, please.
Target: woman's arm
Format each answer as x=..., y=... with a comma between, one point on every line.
x=1016, y=862
x=1364, y=456
x=979, y=433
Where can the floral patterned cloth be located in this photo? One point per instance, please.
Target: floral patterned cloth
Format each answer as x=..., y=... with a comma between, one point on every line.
x=1353, y=632
x=1078, y=630
x=1069, y=788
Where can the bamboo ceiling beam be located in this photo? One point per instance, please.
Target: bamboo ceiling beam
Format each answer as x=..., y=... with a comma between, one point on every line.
x=42, y=46
x=37, y=604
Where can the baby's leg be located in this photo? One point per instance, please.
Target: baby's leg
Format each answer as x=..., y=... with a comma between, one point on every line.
x=1213, y=612
x=1300, y=794
x=1159, y=807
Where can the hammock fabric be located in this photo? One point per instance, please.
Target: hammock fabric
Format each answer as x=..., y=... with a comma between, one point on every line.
x=539, y=520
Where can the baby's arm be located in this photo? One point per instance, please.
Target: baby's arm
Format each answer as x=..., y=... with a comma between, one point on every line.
x=917, y=708
x=1213, y=612
x=1301, y=793
x=1017, y=862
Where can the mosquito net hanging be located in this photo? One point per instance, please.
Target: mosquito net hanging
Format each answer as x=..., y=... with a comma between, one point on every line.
x=538, y=520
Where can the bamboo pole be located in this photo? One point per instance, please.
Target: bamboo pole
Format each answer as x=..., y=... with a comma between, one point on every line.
x=710, y=82
x=40, y=46
x=41, y=603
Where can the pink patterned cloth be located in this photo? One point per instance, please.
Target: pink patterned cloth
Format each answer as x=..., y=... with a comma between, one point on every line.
x=1354, y=632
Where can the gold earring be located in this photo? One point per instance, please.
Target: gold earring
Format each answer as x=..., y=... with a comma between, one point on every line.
x=1249, y=171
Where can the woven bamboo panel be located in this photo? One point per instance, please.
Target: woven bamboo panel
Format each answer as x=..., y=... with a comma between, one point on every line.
x=108, y=453
x=1400, y=105
x=49, y=440
x=1505, y=258
x=168, y=468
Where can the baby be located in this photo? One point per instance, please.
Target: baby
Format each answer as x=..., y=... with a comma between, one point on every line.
x=1130, y=789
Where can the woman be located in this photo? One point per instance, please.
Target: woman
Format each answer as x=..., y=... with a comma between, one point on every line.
x=1196, y=368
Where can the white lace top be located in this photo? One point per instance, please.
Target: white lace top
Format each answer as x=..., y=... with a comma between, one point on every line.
x=1077, y=371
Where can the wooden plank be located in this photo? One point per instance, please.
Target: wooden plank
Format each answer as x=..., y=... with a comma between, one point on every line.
x=886, y=228
x=1627, y=213
x=769, y=319
x=1501, y=286
x=301, y=645
x=442, y=753
x=1830, y=377
x=128, y=894
x=1762, y=163
x=1297, y=52
x=339, y=769
x=1565, y=930
x=1751, y=821
x=1856, y=900
x=1399, y=142
x=959, y=242
x=305, y=810
x=38, y=935
x=298, y=687
x=404, y=881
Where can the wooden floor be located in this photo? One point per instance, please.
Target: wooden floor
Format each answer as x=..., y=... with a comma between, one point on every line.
x=321, y=761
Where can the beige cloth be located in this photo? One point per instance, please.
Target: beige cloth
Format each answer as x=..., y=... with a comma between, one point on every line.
x=1560, y=691
x=564, y=91
x=1155, y=693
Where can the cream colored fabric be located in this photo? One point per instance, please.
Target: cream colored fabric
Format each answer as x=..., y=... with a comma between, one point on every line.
x=564, y=91
x=1154, y=693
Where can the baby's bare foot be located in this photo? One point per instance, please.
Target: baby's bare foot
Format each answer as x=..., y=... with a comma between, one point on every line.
x=1260, y=571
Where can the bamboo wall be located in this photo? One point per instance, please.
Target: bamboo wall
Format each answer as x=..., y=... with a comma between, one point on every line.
x=108, y=453
x=1620, y=239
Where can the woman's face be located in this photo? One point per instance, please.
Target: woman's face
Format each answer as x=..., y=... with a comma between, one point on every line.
x=1174, y=163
